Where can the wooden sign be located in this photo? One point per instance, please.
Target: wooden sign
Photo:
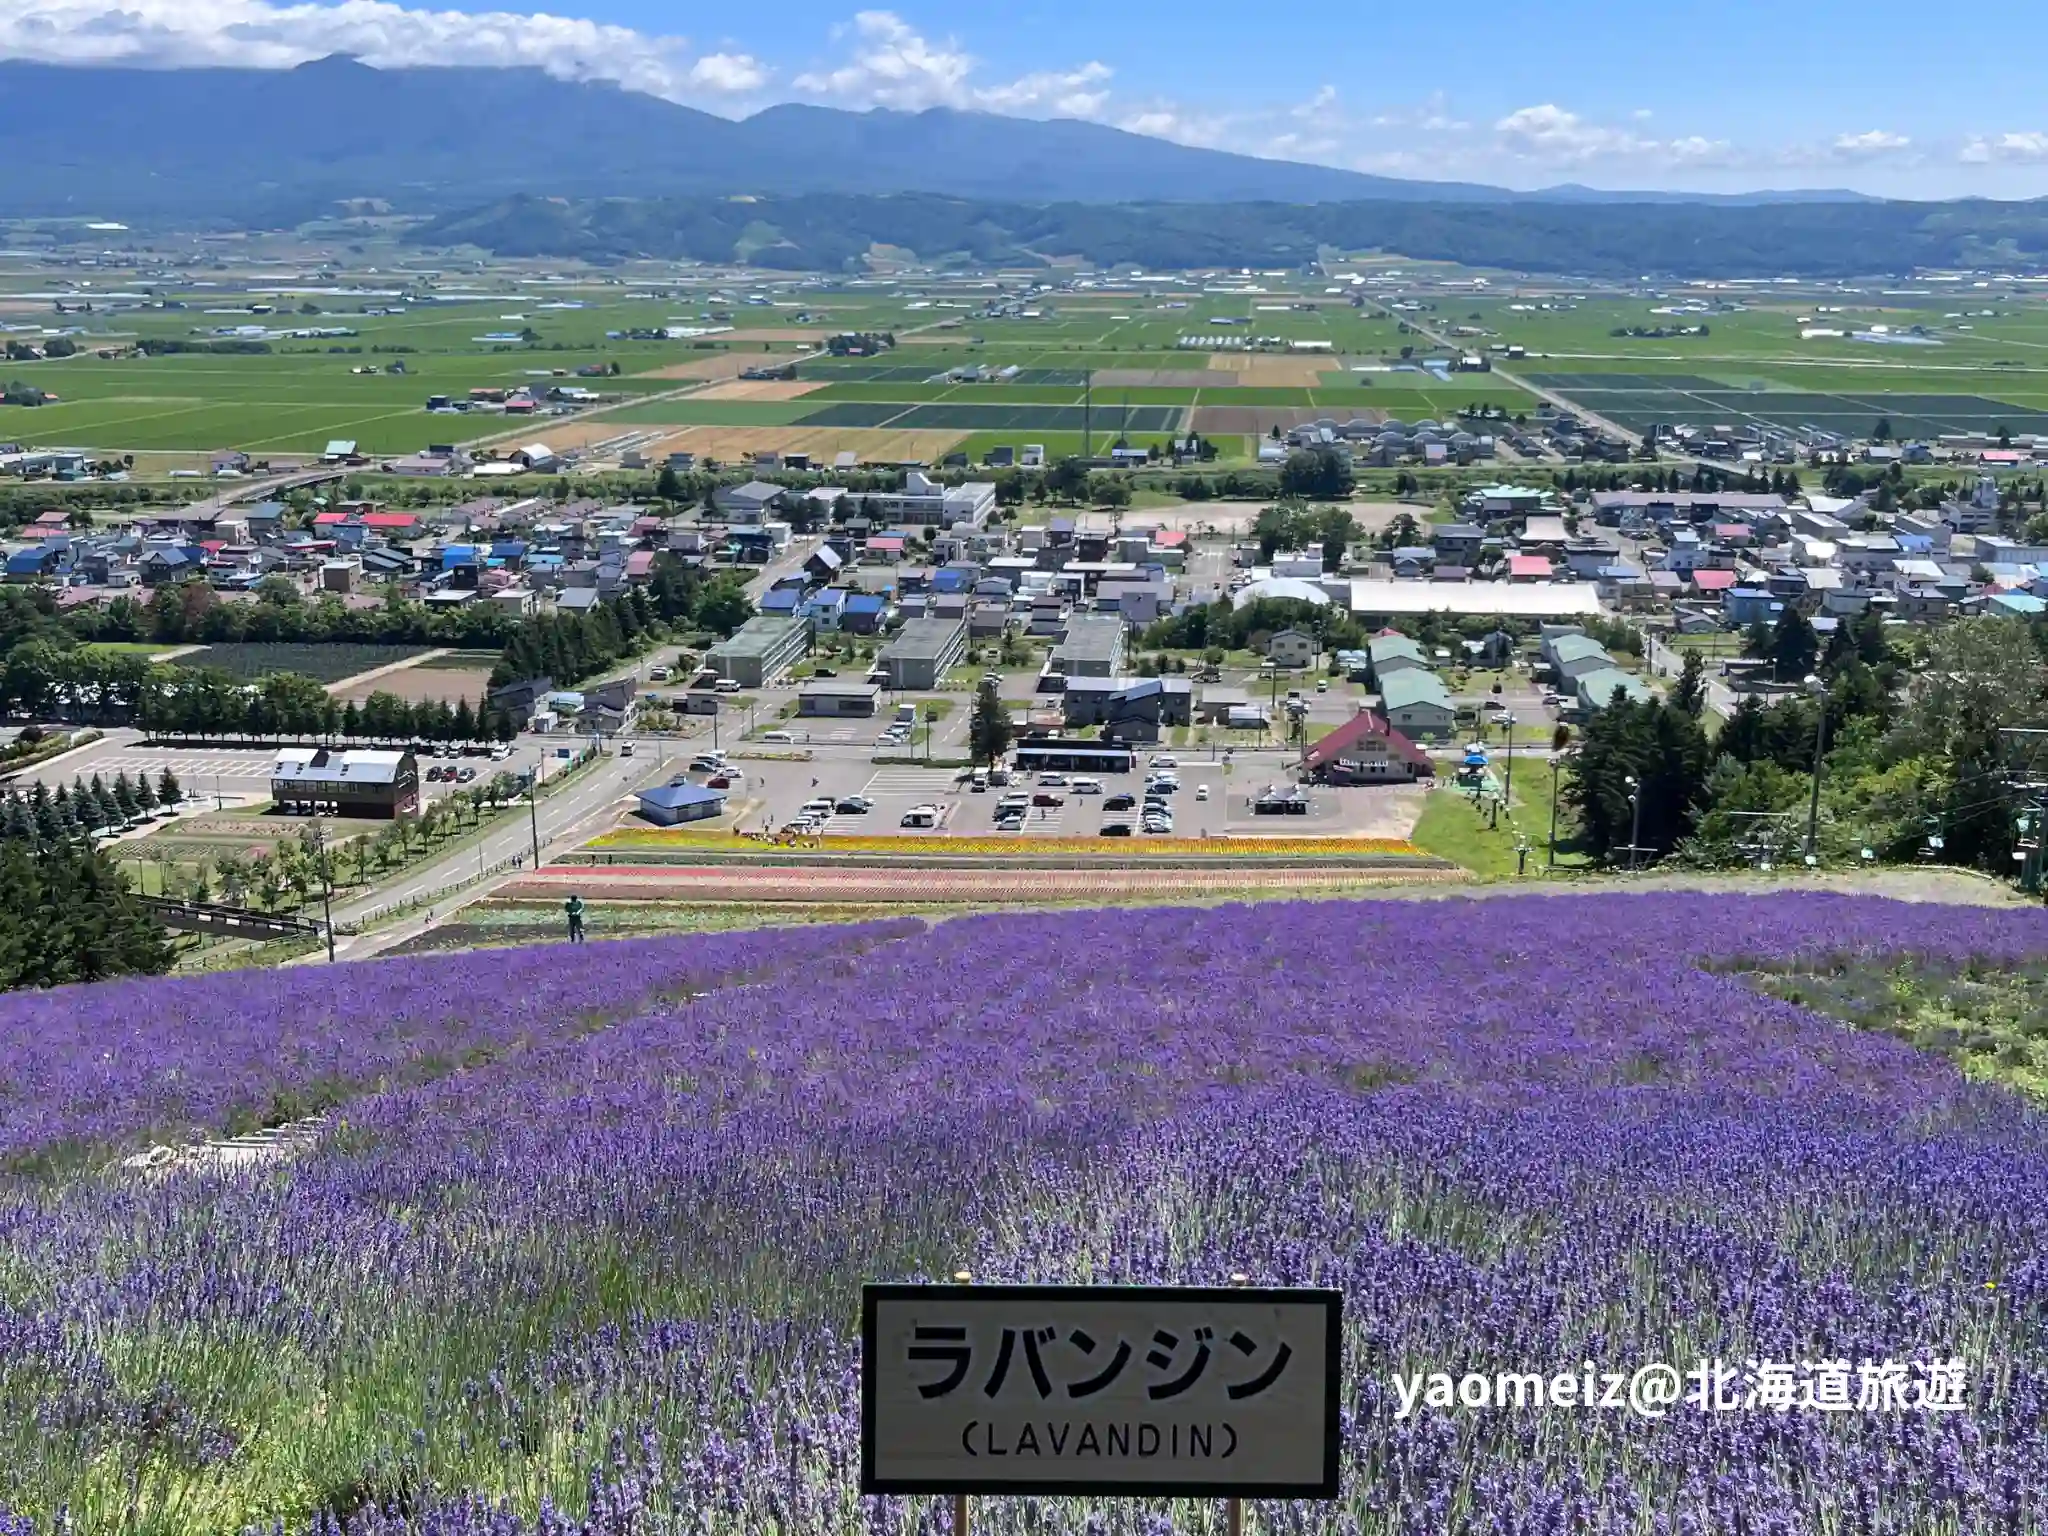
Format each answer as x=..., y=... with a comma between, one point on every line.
x=1148, y=1391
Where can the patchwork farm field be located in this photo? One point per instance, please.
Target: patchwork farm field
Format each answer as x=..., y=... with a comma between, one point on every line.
x=324, y=663
x=1636, y=401
x=579, y=1246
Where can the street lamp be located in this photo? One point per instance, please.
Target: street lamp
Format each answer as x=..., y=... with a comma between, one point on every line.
x=1508, y=793
x=1556, y=766
x=1635, y=836
x=1818, y=691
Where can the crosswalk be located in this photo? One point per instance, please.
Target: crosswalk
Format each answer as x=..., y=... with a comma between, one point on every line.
x=913, y=784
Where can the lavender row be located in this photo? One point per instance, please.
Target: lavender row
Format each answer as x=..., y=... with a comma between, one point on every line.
x=606, y=1283
x=108, y=1066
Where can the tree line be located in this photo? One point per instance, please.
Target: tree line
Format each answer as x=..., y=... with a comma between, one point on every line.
x=1907, y=736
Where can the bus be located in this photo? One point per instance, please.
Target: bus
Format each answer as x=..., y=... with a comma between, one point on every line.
x=1093, y=757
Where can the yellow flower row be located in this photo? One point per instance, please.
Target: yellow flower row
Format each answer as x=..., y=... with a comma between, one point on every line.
x=1278, y=847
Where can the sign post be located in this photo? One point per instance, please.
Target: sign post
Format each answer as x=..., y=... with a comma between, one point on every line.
x=1227, y=1392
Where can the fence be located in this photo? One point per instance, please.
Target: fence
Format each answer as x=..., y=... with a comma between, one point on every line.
x=375, y=915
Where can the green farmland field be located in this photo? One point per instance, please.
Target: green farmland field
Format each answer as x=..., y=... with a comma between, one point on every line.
x=323, y=663
x=684, y=411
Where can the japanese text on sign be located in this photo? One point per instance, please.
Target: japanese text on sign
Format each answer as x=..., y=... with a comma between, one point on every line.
x=1099, y=1389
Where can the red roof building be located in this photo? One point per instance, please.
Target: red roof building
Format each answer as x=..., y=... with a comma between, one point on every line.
x=391, y=522
x=1713, y=581
x=1365, y=749
x=1529, y=568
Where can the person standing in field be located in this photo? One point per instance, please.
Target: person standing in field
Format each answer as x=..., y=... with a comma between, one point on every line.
x=573, y=910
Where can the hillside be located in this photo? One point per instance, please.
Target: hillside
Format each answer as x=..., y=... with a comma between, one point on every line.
x=573, y=1239
x=831, y=232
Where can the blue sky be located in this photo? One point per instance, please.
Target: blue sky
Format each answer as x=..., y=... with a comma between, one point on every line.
x=1880, y=96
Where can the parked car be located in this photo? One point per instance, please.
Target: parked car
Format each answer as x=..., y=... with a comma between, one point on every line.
x=1052, y=780
x=707, y=762
x=1045, y=798
x=1087, y=786
x=1115, y=829
x=1201, y=791
x=822, y=806
x=719, y=781
x=782, y=737
x=1120, y=803
x=625, y=749
x=1164, y=760
x=824, y=672
x=855, y=805
x=467, y=775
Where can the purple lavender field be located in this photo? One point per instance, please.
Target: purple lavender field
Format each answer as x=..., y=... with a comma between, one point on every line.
x=581, y=1249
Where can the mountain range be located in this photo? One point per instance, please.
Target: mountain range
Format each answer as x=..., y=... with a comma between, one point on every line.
x=278, y=146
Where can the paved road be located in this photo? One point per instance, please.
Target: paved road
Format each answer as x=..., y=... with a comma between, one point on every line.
x=1562, y=402
x=565, y=818
x=1665, y=662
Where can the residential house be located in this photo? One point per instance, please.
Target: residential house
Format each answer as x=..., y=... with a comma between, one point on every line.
x=1393, y=652
x=1417, y=704
x=1292, y=648
x=1572, y=656
x=1596, y=689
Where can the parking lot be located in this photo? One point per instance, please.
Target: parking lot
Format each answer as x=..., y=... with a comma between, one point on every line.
x=238, y=775
x=1215, y=799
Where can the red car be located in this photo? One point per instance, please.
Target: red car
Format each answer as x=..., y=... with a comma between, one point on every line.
x=1046, y=797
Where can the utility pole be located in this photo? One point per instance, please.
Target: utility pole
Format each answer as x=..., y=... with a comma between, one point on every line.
x=1818, y=690
x=1508, y=792
x=326, y=887
x=1554, y=768
x=533, y=817
x=1087, y=413
x=1635, y=836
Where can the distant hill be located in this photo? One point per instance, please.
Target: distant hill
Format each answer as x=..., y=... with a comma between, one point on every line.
x=276, y=146
x=833, y=233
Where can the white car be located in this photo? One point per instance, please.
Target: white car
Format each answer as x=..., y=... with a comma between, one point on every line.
x=1084, y=786
x=1201, y=791
x=777, y=736
x=1164, y=760
x=1052, y=780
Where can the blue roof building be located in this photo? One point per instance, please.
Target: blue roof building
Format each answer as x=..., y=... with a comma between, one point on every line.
x=672, y=804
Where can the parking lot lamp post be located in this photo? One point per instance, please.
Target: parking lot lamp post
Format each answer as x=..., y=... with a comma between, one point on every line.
x=1508, y=793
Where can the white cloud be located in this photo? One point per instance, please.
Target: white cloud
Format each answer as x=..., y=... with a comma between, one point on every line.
x=892, y=64
x=735, y=74
x=1432, y=115
x=266, y=35
x=1177, y=124
x=1862, y=146
x=2030, y=147
x=1555, y=136
x=1066, y=93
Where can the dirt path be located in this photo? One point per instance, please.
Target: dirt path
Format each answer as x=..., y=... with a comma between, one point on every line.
x=340, y=685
